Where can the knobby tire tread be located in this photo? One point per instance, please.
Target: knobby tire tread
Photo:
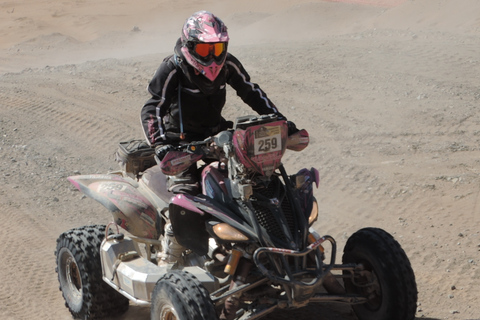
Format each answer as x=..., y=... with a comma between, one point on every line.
x=402, y=302
x=190, y=297
x=99, y=299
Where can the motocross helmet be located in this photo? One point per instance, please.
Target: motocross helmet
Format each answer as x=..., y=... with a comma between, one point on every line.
x=204, y=43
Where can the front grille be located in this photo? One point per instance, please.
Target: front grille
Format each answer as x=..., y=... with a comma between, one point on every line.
x=289, y=216
x=266, y=215
x=267, y=220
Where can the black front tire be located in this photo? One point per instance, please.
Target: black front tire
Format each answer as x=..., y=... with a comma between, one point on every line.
x=387, y=281
x=179, y=295
x=79, y=271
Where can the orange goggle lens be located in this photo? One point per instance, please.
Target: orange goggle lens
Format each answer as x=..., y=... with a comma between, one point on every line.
x=204, y=49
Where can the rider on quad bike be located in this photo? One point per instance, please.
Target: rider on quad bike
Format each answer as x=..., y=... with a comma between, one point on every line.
x=244, y=243
x=188, y=94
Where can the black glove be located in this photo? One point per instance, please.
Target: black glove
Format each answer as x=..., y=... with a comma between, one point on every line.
x=162, y=150
x=226, y=125
x=292, y=128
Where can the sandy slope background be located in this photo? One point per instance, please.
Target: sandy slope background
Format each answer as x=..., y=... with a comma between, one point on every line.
x=389, y=91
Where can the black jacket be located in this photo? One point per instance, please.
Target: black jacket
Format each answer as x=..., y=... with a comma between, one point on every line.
x=201, y=107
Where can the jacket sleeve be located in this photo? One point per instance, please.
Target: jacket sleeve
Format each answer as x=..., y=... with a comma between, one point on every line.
x=249, y=92
x=163, y=88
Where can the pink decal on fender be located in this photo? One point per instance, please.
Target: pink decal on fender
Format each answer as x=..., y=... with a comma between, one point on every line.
x=184, y=202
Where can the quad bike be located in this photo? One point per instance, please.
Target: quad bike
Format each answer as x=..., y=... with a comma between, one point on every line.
x=255, y=253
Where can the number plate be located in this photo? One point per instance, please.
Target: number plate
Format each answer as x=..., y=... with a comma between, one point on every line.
x=267, y=139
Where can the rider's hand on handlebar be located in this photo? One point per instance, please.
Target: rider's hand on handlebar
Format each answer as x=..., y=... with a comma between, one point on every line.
x=162, y=150
x=292, y=128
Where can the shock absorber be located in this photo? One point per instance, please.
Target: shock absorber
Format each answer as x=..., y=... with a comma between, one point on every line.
x=242, y=269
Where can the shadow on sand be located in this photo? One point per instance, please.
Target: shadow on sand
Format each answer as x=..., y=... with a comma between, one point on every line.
x=326, y=311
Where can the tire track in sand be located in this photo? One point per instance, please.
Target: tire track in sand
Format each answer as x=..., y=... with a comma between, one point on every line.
x=67, y=118
x=31, y=221
x=27, y=246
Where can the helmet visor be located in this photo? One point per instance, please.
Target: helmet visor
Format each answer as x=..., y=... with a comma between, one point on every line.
x=204, y=50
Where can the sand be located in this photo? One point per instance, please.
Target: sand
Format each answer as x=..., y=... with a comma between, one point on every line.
x=388, y=91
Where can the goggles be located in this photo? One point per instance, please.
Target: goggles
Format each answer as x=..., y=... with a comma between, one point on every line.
x=204, y=50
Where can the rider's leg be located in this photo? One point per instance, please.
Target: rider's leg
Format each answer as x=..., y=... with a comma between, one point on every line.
x=184, y=182
x=172, y=250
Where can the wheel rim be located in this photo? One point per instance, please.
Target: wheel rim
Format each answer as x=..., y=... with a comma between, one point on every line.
x=71, y=275
x=370, y=288
x=168, y=313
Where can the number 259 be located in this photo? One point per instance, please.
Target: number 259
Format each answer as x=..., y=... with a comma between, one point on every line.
x=267, y=144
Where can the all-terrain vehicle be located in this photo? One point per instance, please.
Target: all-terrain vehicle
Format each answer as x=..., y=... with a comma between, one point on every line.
x=255, y=253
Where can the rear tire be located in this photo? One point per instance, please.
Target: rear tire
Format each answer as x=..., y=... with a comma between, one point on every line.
x=79, y=271
x=393, y=294
x=179, y=295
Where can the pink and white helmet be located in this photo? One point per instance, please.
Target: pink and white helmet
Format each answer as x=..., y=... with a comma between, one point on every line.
x=204, y=43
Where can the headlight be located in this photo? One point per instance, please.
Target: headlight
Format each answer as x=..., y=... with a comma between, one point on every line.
x=227, y=232
x=313, y=214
